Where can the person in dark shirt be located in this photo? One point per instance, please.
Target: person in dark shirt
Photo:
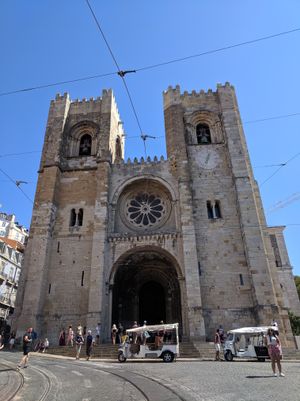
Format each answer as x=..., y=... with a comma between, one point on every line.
x=27, y=341
x=89, y=344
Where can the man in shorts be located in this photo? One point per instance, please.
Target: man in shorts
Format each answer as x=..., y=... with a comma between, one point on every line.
x=27, y=341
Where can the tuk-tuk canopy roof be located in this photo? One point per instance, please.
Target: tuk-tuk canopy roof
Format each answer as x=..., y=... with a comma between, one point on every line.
x=156, y=327
x=253, y=330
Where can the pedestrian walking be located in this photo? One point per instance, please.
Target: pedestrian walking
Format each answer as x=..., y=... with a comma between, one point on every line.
x=275, y=351
x=79, y=341
x=27, y=342
x=89, y=344
x=217, y=342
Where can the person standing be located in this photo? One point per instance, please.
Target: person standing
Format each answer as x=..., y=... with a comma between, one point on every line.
x=98, y=327
x=120, y=333
x=70, y=338
x=114, y=331
x=27, y=342
x=217, y=342
x=1, y=341
x=89, y=344
x=11, y=340
x=62, y=338
x=275, y=352
x=79, y=340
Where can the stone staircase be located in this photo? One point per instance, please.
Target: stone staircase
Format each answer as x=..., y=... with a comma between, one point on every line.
x=201, y=350
x=110, y=351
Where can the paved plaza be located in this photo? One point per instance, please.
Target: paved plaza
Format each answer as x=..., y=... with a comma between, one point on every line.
x=63, y=379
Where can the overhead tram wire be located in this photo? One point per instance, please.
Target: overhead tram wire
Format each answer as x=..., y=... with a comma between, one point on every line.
x=279, y=168
x=16, y=184
x=220, y=49
x=177, y=60
x=121, y=73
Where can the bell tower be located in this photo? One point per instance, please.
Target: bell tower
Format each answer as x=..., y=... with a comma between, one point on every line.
x=65, y=253
x=204, y=135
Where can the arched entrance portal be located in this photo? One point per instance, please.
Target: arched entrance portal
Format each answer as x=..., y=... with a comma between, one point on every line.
x=146, y=287
x=152, y=305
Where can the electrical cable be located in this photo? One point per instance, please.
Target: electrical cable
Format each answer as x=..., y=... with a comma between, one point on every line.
x=279, y=168
x=15, y=183
x=220, y=49
x=56, y=84
x=122, y=73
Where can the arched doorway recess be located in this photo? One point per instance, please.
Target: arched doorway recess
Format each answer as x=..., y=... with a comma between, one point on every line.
x=146, y=287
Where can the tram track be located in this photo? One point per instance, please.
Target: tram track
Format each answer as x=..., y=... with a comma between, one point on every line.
x=151, y=389
x=10, y=393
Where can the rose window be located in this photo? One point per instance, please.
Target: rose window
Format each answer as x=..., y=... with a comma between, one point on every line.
x=145, y=210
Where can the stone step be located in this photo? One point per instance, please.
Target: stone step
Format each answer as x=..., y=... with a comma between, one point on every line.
x=187, y=350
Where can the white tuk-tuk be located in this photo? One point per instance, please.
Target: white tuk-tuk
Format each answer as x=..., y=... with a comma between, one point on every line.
x=247, y=342
x=154, y=341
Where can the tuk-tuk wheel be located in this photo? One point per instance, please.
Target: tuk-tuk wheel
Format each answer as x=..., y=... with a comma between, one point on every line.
x=168, y=356
x=228, y=356
x=121, y=357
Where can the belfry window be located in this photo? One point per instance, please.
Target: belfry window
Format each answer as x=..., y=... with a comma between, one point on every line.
x=85, y=146
x=203, y=134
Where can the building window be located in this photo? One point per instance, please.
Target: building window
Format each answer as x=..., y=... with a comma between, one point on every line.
x=73, y=218
x=118, y=148
x=241, y=279
x=203, y=134
x=82, y=278
x=80, y=217
x=276, y=250
x=85, y=147
x=145, y=209
x=213, y=210
x=210, y=213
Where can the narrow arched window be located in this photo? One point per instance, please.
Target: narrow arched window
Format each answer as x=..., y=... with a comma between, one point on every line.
x=218, y=210
x=203, y=134
x=209, y=207
x=85, y=146
x=73, y=218
x=80, y=217
x=118, y=148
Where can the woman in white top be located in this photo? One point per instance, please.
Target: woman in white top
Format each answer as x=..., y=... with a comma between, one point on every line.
x=275, y=353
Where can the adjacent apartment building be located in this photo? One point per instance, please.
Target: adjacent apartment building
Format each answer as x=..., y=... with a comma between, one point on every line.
x=12, y=244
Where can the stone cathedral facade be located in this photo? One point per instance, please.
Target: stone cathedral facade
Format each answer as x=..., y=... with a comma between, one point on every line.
x=181, y=240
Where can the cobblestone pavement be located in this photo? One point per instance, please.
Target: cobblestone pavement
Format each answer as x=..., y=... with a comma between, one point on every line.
x=62, y=379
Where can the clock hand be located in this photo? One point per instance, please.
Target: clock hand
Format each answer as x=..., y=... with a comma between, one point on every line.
x=207, y=158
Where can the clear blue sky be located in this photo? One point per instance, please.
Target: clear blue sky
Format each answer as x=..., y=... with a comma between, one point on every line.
x=49, y=41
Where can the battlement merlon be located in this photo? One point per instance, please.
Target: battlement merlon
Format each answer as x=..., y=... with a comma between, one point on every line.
x=173, y=96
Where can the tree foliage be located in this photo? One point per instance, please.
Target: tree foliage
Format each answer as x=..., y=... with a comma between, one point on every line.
x=297, y=282
x=295, y=324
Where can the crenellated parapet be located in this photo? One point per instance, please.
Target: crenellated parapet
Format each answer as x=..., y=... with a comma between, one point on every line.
x=173, y=96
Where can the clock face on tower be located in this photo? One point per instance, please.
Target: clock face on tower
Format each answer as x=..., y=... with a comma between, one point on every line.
x=207, y=158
